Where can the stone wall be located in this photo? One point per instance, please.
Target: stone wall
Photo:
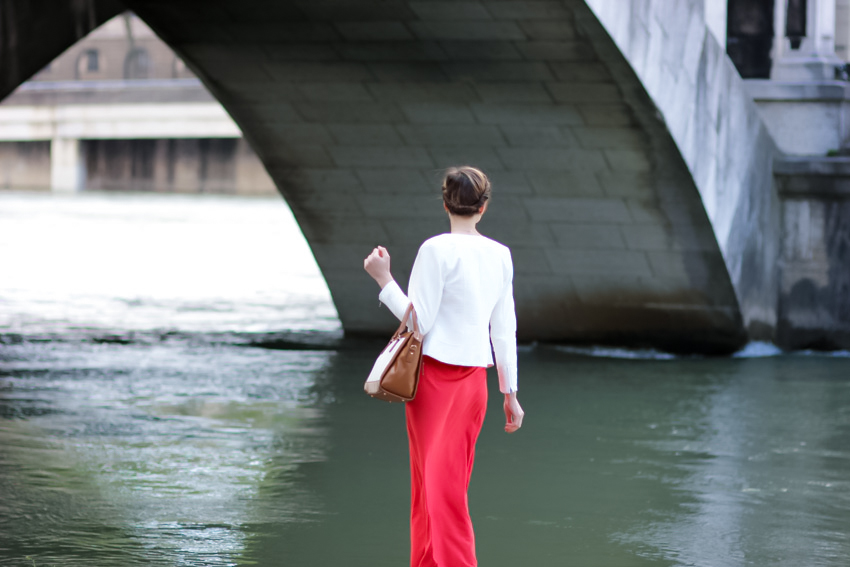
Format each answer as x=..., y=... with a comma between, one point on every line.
x=355, y=108
x=719, y=132
x=25, y=165
x=205, y=165
x=814, y=306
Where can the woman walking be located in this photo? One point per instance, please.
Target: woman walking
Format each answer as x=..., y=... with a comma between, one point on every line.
x=461, y=287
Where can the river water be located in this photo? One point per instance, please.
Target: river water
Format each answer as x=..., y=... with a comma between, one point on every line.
x=174, y=390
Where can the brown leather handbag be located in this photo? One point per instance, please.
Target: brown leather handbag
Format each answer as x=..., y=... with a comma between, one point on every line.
x=395, y=375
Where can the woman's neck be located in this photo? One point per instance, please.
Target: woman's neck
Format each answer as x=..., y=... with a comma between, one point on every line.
x=464, y=225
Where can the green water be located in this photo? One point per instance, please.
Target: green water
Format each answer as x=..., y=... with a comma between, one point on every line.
x=141, y=425
x=186, y=450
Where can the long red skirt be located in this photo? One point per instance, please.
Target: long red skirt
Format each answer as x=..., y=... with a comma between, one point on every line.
x=443, y=422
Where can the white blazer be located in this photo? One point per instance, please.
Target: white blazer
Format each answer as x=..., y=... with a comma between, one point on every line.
x=461, y=287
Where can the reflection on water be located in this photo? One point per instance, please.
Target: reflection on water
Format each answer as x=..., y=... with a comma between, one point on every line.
x=183, y=443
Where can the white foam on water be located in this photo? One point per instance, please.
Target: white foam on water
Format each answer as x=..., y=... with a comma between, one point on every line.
x=616, y=352
x=758, y=349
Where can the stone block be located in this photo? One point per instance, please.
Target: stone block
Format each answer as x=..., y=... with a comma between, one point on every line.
x=556, y=50
x=627, y=184
x=606, y=115
x=627, y=160
x=239, y=72
x=502, y=92
x=612, y=263
x=373, y=31
x=575, y=236
x=322, y=207
x=526, y=114
x=529, y=260
x=645, y=211
x=325, y=92
x=380, y=156
x=581, y=72
x=281, y=32
x=347, y=11
x=629, y=290
x=450, y=11
x=508, y=211
x=438, y=113
x=451, y=135
x=336, y=258
x=304, y=134
x=648, y=236
x=260, y=91
x=415, y=231
x=558, y=30
x=365, y=134
x=412, y=92
x=508, y=182
x=467, y=31
x=481, y=50
x=559, y=159
x=328, y=181
x=520, y=135
x=350, y=112
x=345, y=230
x=565, y=183
x=409, y=72
x=484, y=158
x=577, y=209
x=300, y=52
x=487, y=71
x=671, y=264
x=207, y=53
x=518, y=10
x=398, y=206
x=594, y=137
x=516, y=234
x=393, y=180
x=392, y=51
x=297, y=155
x=264, y=113
x=584, y=92
x=316, y=71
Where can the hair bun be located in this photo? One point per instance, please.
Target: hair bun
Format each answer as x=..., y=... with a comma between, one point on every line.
x=465, y=190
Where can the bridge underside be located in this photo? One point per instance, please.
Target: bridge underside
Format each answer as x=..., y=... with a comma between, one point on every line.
x=355, y=108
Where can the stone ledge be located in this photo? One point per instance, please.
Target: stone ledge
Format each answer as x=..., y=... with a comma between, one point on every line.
x=765, y=89
x=813, y=177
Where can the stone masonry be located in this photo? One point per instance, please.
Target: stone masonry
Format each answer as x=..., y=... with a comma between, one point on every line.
x=356, y=107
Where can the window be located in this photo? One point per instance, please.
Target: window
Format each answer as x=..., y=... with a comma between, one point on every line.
x=92, y=61
x=137, y=64
x=88, y=63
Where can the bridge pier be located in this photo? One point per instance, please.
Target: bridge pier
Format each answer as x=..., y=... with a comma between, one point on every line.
x=67, y=166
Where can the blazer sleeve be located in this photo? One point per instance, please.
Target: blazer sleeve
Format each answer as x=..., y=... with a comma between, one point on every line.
x=503, y=333
x=425, y=289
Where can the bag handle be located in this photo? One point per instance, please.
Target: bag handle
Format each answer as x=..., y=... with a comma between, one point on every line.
x=410, y=311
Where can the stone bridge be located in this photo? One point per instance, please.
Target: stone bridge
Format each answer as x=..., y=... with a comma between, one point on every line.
x=632, y=174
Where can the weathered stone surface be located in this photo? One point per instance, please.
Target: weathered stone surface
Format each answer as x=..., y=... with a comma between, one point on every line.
x=356, y=108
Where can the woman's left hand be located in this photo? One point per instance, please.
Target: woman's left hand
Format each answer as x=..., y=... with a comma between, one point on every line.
x=377, y=265
x=513, y=413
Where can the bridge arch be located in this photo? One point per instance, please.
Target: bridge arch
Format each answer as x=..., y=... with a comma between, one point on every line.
x=355, y=107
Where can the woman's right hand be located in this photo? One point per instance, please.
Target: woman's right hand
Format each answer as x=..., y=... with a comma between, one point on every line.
x=377, y=265
x=513, y=413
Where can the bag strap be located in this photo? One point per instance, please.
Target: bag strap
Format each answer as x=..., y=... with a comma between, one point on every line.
x=410, y=311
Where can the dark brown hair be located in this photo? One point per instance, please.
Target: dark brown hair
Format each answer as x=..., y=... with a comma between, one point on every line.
x=465, y=190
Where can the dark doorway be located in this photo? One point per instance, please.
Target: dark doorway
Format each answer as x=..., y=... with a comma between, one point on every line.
x=749, y=36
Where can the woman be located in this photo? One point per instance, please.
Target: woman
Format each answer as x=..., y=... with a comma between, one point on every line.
x=461, y=287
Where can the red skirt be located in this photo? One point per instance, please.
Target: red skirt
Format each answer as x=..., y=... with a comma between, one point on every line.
x=443, y=422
